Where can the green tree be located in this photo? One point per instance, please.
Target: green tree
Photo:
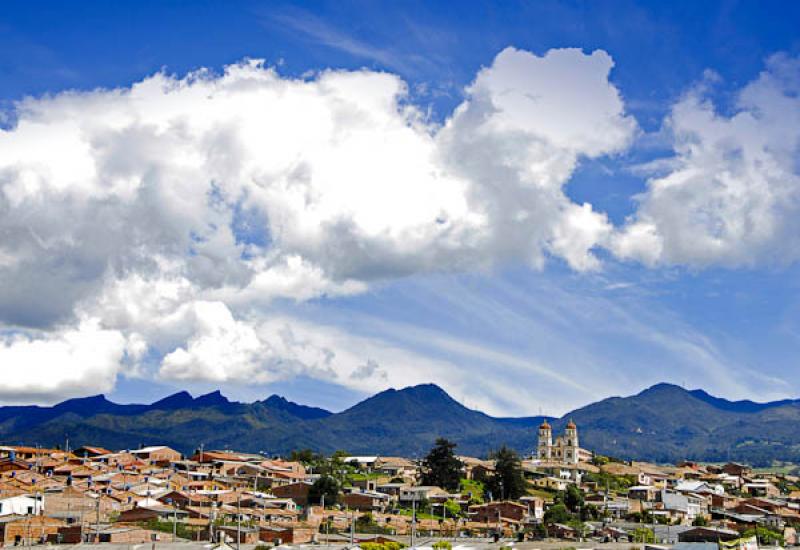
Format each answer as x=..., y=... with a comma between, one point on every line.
x=453, y=509
x=327, y=486
x=573, y=498
x=473, y=489
x=557, y=513
x=365, y=522
x=599, y=460
x=765, y=536
x=643, y=535
x=700, y=521
x=508, y=481
x=441, y=467
x=306, y=456
x=335, y=467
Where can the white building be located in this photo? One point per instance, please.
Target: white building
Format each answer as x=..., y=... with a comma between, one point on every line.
x=21, y=505
x=690, y=506
x=564, y=449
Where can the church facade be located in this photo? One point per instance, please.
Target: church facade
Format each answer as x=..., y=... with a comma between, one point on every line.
x=564, y=449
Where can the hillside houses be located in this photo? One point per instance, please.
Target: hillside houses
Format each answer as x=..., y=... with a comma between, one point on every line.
x=97, y=494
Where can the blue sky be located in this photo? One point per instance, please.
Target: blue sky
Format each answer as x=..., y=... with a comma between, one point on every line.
x=530, y=321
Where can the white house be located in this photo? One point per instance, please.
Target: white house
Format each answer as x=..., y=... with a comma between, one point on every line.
x=701, y=487
x=420, y=492
x=21, y=505
x=690, y=506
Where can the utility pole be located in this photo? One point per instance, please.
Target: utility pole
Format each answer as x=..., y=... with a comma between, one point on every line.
x=174, y=521
x=413, y=518
x=444, y=515
x=238, y=519
x=82, y=507
x=352, y=527
x=322, y=502
x=327, y=526
x=211, y=521
x=97, y=521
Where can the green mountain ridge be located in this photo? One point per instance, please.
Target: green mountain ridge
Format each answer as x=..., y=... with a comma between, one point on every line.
x=663, y=423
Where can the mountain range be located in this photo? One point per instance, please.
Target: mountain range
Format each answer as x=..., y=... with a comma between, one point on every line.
x=663, y=423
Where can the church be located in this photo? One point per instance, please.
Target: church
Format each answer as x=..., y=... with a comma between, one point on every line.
x=565, y=449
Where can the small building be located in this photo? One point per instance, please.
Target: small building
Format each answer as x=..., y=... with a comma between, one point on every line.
x=646, y=493
x=156, y=512
x=363, y=462
x=535, y=507
x=131, y=535
x=158, y=454
x=13, y=465
x=367, y=501
x=420, y=492
x=736, y=469
x=21, y=505
x=91, y=452
x=26, y=530
x=245, y=534
x=297, y=491
x=708, y=534
x=290, y=534
x=561, y=531
x=498, y=510
x=476, y=468
x=394, y=466
x=685, y=506
x=552, y=483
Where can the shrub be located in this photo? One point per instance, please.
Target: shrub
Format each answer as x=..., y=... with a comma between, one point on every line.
x=388, y=545
x=644, y=535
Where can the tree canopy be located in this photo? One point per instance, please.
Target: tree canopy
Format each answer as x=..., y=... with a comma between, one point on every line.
x=508, y=481
x=327, y=486
x=441, y=467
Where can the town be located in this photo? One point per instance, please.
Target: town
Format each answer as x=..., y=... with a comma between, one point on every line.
x=560, y=496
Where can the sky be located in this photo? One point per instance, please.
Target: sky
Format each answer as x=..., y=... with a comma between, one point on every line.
x=535, y=205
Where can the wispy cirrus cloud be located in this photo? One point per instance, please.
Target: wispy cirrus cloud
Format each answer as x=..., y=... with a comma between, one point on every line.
x=317, y=30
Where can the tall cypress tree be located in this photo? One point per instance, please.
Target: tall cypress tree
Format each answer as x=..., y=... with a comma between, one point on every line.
x=441, y=467
x=508, y=481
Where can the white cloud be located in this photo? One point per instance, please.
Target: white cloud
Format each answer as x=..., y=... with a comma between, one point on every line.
x=169, y=210
x=263, y=350
x=519, y=136
x=219, y=349
x=731, y=195
x=65, y=363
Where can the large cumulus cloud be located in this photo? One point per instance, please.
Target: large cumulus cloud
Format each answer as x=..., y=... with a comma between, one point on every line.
x=169, y=211
x=730, y=196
